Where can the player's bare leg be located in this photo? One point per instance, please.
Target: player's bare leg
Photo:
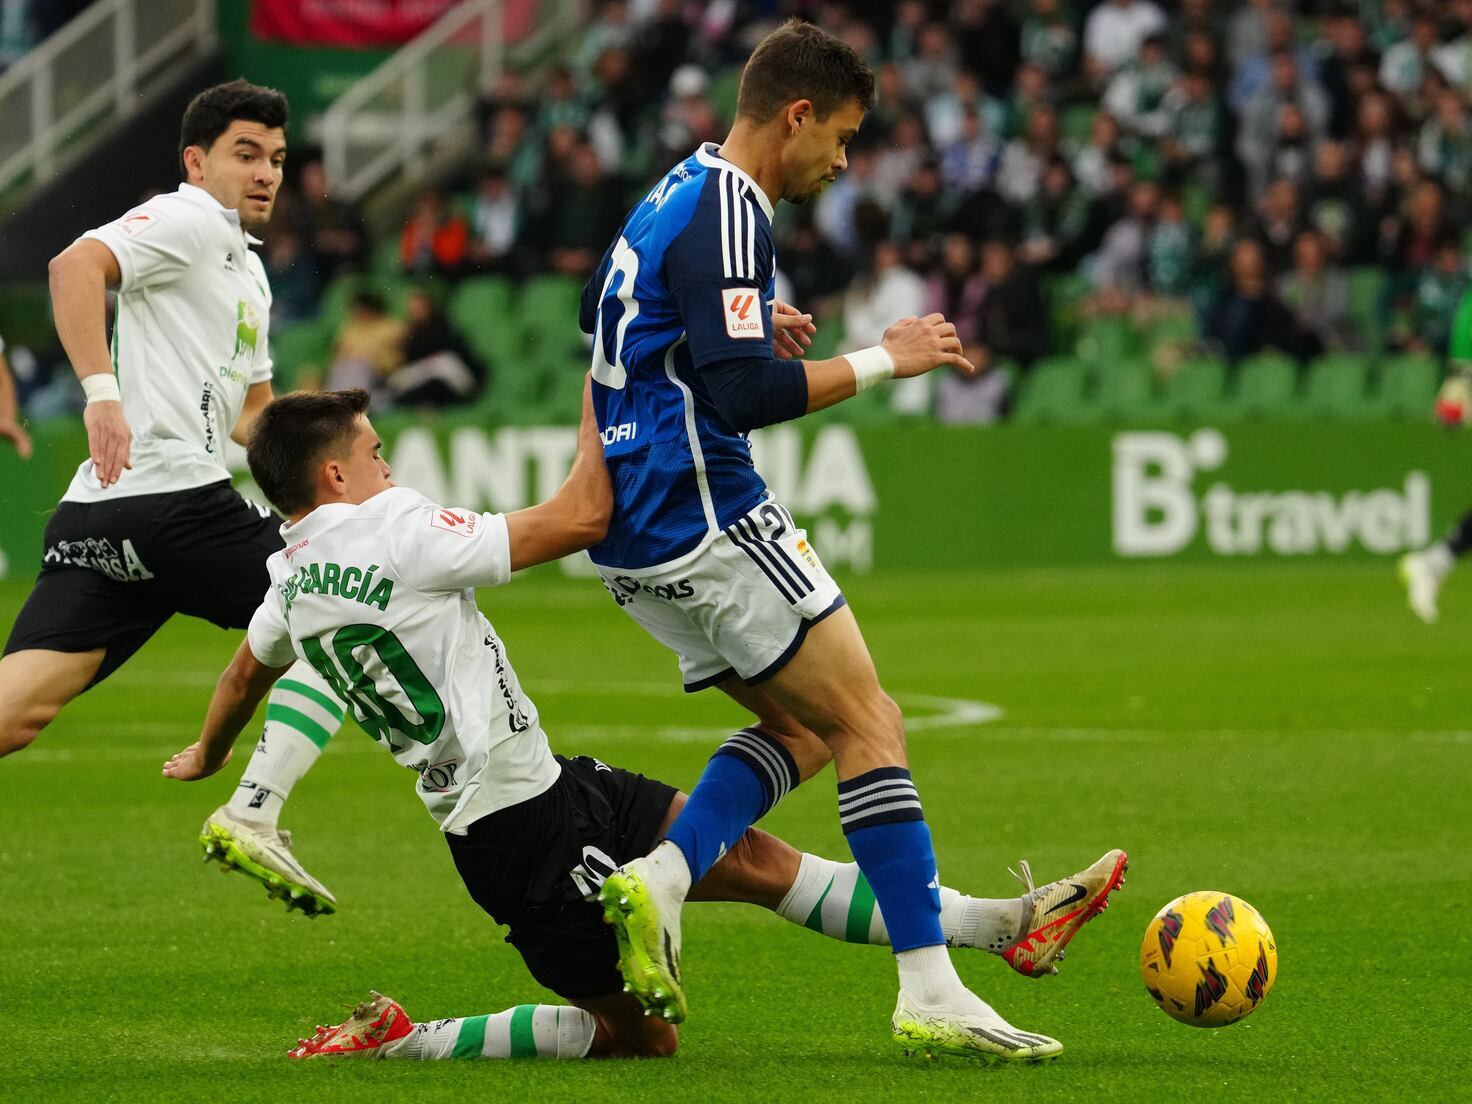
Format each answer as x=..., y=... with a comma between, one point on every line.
x=35, y=685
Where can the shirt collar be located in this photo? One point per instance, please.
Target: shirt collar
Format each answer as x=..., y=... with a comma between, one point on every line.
x=709, y=155
x=201, y=198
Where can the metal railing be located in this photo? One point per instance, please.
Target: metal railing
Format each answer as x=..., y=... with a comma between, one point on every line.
x=389, y=121
x=97, y=69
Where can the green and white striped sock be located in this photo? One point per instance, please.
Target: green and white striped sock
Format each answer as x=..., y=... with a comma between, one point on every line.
x=835, y=899
x=302, y=714
x=526, y=1031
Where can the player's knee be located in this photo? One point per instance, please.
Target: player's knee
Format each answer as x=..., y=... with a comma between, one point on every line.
x=16, y=730
x=876, y=727
x=661, y=1041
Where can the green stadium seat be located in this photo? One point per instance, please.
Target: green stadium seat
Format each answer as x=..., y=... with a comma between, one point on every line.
x=1106, y=341
x=1408, y=386
x=1195, y=391
x=1338, y=387
x=549, y=314
x=1267, y=386
x=1367, y=304
x=1052, y=391
x=482, y=309
x=1125, y=390
x=299, y=349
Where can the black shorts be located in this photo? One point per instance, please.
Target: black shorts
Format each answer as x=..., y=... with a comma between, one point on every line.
x=530, y=866
x=115, y=571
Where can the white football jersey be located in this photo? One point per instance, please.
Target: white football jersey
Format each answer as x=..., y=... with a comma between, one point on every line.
x=193, y=315
x=379, y=599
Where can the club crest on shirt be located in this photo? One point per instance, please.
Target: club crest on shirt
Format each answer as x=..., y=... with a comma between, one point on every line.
x=743, y=312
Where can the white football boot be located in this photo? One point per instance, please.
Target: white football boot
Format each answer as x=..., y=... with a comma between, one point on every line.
x=969, y=1030
x=1423, y=573
x=263, y=852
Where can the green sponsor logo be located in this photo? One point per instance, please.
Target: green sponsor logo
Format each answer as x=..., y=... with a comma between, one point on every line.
x=247, y=329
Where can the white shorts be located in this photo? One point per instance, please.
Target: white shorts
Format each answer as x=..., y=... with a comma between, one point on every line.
x=740, y=603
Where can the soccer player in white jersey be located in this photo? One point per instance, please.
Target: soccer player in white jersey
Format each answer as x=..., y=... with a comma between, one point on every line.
x=703, y=558
x=375, y=588
x=150, y=525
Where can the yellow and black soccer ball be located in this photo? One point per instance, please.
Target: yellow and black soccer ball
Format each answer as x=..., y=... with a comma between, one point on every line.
x=1208, y=959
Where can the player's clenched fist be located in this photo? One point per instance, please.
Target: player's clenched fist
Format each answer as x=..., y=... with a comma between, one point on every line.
x=109, y=440
x=920, y=345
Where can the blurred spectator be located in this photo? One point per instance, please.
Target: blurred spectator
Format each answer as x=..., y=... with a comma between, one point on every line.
x=932, y=69
x=1277, y=224
x=1424, y=323
x=436, y=240
x=1050, y=38
x=688, y=118
x=921, y=214
x=1114, y=32
x=1010, y=327
x=1262, y=115
x=1406, y=63
x=295, y=283
x=1249, y=317
x=1316, y=291
x=1334, y=206
x=1444, y=144
x=1252, y=75
x=439, y=369
x=1409, y=240
x=584, y=209
x=368, y=346
x=1061, y=224
x=945, y=113
x=1247, y=30
x=876, y=300
x=969, y=162
x=1023, y=159
x=817, y=271
x=988, y=38
x=495, y=223
x=1091, y=162
x=1136, y=93
x=1170, y=250
x=330, y=227
x=1197, y=135
x=1013, y=321
x=956, y=288
x=1117, y=270
x=900, y=159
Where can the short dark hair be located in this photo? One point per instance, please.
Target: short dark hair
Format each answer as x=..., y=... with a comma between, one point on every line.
x=210, y=113
x=799, y=61
x=295, y=434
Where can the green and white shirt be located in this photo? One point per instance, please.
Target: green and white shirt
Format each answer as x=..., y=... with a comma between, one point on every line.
x=189, y=339
x=379, y=599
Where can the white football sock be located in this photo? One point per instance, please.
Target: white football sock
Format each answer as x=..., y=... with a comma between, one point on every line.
x=835, y=899
x=526, y=1031
x=928, y=975
x=666, y=867
x=302, y=714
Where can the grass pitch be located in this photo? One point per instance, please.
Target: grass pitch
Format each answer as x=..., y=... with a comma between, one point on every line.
x=1285, y=732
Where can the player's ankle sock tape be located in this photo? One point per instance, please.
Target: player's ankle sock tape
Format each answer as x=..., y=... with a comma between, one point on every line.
x=768, y=759
x=734, y=791
x=886, y=830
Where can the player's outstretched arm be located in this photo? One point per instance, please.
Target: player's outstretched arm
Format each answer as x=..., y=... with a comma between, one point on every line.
x=242, y=686
x=257, y=397
x=911, y=347
x=574, y=518
x=10, y=428
x=80, y=276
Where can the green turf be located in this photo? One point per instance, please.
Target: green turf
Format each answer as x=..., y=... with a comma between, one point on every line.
x=1285, y=732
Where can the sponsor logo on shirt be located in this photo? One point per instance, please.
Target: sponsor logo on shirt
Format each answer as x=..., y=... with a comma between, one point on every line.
x=297, y=547
x=437, y=777
x=454, y=521
x=742, y=312
x=134, y=224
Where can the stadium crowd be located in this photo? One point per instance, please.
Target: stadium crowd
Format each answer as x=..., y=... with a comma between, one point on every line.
x=1205, y=176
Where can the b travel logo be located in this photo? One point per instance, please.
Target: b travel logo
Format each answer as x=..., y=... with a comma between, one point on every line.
x=1168, y=492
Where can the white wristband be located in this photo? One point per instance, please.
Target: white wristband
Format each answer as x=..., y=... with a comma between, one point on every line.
x=101, y=387
x=871, y=366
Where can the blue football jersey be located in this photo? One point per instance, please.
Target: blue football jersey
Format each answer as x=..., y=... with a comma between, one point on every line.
x=689, y=282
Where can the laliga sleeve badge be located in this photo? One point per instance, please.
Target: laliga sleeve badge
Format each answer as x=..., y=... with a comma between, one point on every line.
x=742, y=310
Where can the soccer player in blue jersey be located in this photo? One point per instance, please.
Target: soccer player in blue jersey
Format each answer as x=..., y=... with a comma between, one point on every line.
x=698, y=553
